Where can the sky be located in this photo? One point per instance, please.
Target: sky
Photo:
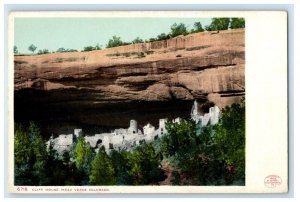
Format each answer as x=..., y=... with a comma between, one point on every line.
x=76, y=33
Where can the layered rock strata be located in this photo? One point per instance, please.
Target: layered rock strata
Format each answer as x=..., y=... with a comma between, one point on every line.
x=207, y=66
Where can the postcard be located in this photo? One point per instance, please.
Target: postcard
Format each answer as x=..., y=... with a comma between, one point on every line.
x=148, y=102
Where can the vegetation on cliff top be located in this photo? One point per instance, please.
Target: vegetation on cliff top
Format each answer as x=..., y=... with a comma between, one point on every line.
x=175, y=30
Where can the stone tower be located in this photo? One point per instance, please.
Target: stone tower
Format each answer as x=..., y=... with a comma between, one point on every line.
x=194, y=111
x=162, y=127
x=133, y=127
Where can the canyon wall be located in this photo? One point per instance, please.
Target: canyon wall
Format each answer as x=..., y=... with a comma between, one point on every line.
x=207, y=66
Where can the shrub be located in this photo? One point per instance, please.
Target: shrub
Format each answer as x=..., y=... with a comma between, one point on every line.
x=178, y=29
x=218, y=24
x=236, y=23
x=197, y=27
x=44, y=51
x=32, y=48
x=137, y=40
x=114, y=42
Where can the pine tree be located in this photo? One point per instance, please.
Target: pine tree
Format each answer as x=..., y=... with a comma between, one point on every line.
x=83, y=154
x=102, y=171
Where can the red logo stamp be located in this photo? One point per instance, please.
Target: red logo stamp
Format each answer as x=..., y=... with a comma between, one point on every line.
x=273, y=181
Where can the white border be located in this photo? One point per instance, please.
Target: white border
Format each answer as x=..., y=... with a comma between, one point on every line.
x=266, y=73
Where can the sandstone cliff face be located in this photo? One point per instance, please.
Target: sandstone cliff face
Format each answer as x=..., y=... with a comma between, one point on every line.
x=207, y=66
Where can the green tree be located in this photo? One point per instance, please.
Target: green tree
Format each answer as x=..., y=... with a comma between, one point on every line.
x=40, y=154
x=97, y=47
x=30, y=157
x=61, y=50
x=102, y=171
x=201, y=163
x=114, y=42
x=22, y=147
x=22, y=157
x=216, y=156
x=88, y=48
x=137, y=40
x=39, y=146
x=61, y=170
x=44, y=51
x=71, y=50
x=218, y=24
x=120, y=161
x=230, y=137
x=197, y=27
x=178, y=29
x=35, y=165
x=181, y=137
x=152, y=39
x=162, y=36
x=32, y=48
x=219, y=157
x=16, y=50
x=144, y=163
x=82, y=155
x=236, y=23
